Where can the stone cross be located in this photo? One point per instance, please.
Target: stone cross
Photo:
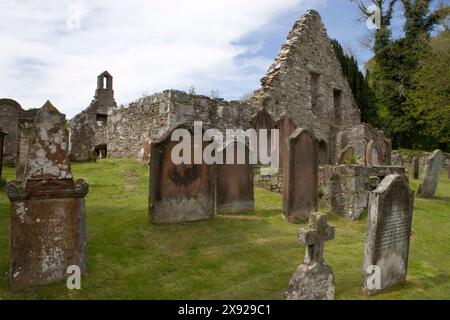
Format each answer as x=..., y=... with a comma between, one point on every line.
x=314, y=238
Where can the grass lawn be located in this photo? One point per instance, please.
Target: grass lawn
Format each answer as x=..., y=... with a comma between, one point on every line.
x=248, y=256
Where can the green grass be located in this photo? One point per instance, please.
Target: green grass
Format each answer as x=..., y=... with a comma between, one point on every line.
x=248, y=256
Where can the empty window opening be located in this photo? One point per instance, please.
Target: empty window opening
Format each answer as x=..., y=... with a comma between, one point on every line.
x=323, y=153
x=102, y=119
x=101, y=151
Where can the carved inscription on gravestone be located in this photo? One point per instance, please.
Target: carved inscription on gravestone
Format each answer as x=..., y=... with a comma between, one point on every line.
x=388, y=232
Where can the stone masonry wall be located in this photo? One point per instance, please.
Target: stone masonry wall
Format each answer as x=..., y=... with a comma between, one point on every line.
x=306, y=82
x=132, y=127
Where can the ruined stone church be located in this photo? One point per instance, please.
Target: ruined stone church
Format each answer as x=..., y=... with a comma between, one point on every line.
x=305, y=84
x=303, y=88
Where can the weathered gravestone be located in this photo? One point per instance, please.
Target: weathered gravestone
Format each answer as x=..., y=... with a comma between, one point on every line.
x=235, y=181
x=372, y=155
x=430, y=178
x=416, y=168
x=314, y=279
x=286, y=126
x=48, y=228
x=388, y=233
x=2, y=139
x=301, y=182
x=345, y=156
x=182, y=192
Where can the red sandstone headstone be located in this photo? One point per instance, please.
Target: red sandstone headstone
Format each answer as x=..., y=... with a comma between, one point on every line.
x=235, y=183
x=286, y=126
x=48, y=229
x=264, y=121
x=301, y=192
x=179, y=192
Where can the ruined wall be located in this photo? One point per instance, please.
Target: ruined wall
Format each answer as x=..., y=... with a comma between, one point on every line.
x=89, y=129
x=131, y=128
x=306, y=82
x=345, y=189
x=9, y=118
x=358, y=138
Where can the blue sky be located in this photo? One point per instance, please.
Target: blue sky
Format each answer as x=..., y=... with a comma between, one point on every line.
x=55, y=49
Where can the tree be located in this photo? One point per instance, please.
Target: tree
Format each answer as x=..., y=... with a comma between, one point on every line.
x=382, y=36
x=358, y=83
x=429, y=97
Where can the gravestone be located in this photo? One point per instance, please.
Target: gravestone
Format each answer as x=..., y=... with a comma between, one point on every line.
x=345, y=155
x=372, y=155
x=48, y=228
x=388, y=233
x=416, y=168
x=430, y=178
x=286, y=126
x=2, y=140
x=179, y=192
x=235, y=182
x=300, y=195
x=314, y=279
x=263, y=121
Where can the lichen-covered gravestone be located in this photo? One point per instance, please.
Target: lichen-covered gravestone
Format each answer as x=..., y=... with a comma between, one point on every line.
x=235, y=181
x=430, y=178
x=314, y=279
x=48, y=228
x=388, y=233
x=182, y=192
x=301, y=182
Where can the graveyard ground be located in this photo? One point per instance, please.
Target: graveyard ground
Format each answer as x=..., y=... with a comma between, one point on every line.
x=246, y=256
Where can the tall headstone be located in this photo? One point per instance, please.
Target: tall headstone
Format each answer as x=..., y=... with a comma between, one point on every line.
x=300, y=195
x=2, y=140
x=314, y=279
x=235, y=181
x=372, y=155
x=430, y=178
x=48, y=228
x=286, y=126
x=179, y=192
x=416, y=167
x=388, y=234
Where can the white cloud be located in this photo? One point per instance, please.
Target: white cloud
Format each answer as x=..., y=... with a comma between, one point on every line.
x=55, y=49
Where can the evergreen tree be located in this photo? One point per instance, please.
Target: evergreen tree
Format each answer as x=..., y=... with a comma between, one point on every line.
x=358, y=83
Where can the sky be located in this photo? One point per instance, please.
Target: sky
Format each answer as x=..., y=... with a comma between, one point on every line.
x=54, y=50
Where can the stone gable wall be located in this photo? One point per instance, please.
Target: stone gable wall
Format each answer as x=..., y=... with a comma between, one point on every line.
x=288, y=85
